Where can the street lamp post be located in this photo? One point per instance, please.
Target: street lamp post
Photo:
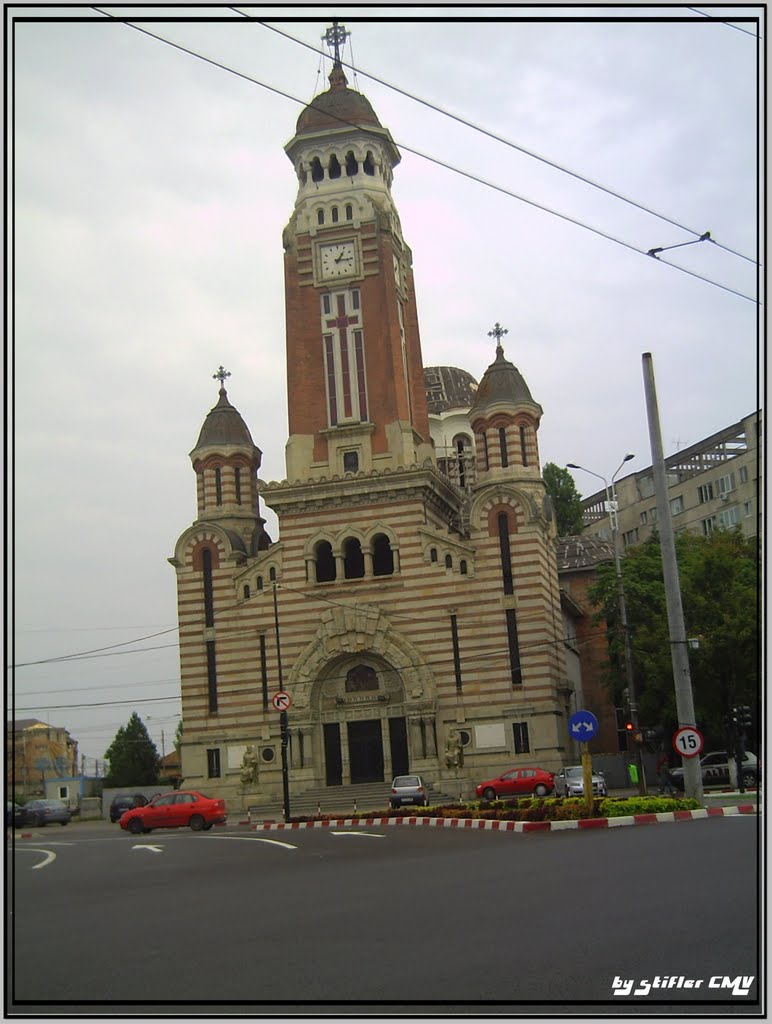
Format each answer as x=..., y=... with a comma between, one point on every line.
x=631, y=697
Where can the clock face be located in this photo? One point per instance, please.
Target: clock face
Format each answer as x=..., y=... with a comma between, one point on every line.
x=338, y=260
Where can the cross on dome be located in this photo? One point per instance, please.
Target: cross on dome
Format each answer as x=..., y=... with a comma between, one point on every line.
x=221, y=375
x=336, y=37
x=498, y=333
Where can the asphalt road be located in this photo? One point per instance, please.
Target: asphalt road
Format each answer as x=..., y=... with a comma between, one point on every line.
x=402, y=918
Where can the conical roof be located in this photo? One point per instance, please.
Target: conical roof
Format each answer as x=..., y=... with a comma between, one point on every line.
x=338, y=107
x=502, y=382
x=224, y=425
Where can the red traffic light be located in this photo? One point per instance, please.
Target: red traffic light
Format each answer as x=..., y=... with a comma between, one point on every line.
x=629, y=726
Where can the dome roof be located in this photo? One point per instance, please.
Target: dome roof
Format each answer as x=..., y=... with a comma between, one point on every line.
x=224, y=425
x=339, y=107
x=448, y=387
x=502, y=382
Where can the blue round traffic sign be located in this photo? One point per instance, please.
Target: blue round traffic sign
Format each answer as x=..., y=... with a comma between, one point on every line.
x=582, y=726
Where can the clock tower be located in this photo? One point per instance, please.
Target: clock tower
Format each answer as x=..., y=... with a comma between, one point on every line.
x=354, y=370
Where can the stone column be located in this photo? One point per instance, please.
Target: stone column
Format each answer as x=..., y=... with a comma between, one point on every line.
x=415, y=750
x=388, y=771
x=431, y=738
x=344, y=755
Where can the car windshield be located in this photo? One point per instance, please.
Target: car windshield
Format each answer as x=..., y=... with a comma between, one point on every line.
x=406, y=780
x=51, y=803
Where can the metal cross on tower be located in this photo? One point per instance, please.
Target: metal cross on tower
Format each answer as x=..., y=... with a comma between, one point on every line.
x=221, y=375
x=336, y=37
x=498, y=333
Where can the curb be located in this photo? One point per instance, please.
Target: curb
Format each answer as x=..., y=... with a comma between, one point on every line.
x=491, y=824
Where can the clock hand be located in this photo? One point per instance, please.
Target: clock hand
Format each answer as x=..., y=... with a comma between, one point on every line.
x=342, y=257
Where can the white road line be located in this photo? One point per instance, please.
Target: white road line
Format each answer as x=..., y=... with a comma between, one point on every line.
x=154, y=849
x=50, y=856
x=370, y=835
x=249, y=839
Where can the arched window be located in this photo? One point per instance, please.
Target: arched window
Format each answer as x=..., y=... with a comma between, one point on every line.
x=335, y=214
x=247, y=592
x=433, y=554
x=486, y=458
x=272, y=574
x=448, y=561
x=320, y=216
x=383, y=556
x=317, y=171
x=325, y=562
x=259, y=583
x=237, y=478
x=368, y=166
x=353, y=559
x=462, y=445
x=351, y=164
x=462, y=567
x=218, y=486
x=503, y=446
x=523, y=452
x=349, y=211
x=334, y=167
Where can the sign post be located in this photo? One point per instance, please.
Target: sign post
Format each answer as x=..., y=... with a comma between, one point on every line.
x=583, y=726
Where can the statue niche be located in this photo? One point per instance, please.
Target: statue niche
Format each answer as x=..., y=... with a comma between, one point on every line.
x=249, y=766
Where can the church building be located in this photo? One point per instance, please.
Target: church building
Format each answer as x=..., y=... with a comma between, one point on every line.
x=410, y=604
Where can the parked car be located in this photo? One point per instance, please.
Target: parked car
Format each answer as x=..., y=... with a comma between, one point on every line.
x=570, y=782
x=124, y=802
x=45, y=812
x=14, y=814
x=408, y=789
x=516, y=782
x=715, y=770
x=175, y=810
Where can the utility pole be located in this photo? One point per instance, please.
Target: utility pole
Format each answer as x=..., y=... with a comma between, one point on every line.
x=283, y=715
x=675, y=613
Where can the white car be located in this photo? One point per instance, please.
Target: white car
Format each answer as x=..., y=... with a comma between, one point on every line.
x=715, y=770
x=570, y=782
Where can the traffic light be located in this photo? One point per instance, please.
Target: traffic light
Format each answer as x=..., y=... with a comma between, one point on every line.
x=629, y=726
x=744, y=719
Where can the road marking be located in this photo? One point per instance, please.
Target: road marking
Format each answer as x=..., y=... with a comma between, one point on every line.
x=370, y=835
x=154, y=849
x=50, y=856
x=249, y=839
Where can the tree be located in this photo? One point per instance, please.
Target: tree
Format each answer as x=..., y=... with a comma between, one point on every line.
x=132, y=756
x=178, y=736
x=566, y=500
x=719, y=581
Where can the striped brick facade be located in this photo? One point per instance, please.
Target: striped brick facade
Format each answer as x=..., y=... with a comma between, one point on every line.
x=399, y=611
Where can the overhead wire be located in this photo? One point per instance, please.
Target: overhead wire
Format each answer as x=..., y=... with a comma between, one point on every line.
x=435, y=160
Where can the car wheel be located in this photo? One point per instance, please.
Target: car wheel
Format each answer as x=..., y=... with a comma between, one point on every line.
x=540, y=790
x=62, y=823
x=207, y=827
x=749, y=778
x=196, y=823
x=489, y=794
x=135, y=827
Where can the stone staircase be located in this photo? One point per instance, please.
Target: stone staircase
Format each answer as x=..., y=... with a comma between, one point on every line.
x=364, y=798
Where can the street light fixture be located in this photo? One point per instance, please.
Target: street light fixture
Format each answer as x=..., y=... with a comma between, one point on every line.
x=614, y=520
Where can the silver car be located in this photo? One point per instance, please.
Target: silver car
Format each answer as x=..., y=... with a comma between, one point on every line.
x=570, y=782
x=408, y=789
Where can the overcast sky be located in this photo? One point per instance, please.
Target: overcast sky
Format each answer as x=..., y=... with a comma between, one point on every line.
x=151, y=190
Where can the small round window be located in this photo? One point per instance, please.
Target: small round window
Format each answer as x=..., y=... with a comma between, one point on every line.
x=465, y=737
x=268, y=754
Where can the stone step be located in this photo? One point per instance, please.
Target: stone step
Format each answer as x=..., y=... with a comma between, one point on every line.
x=363, y=797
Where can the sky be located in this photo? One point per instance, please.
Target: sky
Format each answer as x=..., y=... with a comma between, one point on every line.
x=150, y=190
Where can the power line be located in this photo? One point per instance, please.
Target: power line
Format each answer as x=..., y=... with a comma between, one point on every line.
x=431, y=159
x=723, y=20
x=506, y=142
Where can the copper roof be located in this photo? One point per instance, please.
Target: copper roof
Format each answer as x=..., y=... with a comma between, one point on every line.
x=224, y=425
x=502, y=382
x=339, y=107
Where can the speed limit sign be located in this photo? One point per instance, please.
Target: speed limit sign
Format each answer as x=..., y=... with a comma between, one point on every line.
x=688, y=741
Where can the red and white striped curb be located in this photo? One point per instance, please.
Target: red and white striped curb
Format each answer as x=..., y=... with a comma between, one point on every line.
x=516, y=826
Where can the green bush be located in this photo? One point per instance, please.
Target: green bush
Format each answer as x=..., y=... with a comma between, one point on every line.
x=611, y=808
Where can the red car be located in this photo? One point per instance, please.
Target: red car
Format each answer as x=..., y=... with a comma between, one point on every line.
x=516, y=782
x=175, y=810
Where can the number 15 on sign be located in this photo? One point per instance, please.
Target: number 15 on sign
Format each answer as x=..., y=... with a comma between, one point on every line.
x=688, y=741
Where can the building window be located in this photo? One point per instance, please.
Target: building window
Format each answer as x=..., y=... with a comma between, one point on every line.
x=213, y=763
x=211, y=675
x=259, y=583
x=705, y=493
x=743, y=474
x=708, y=525
x=725, y=484
x=503, y=447
x=272, y=574
x=462, y=567
x=327, y=303
x=334, y=170
x=350, y=462
x=676, y=505
x=317, y=174
x=334, y=212
x=351, y=169
x=353, y=559
x=368, y=166
x=63, y=792
x=748, y=509
x=729, y=517
x=247, y=592
x=520, y=730
x=644, y=518
x=653, y=512
x=206, y=562
x=433, y=555
x=237, y=477
x=325, y=562
x=448, y=561
x=349, y=212
x=486, y=459
x=344, y=358
x=383, y=556
x=320, y=216
x=218, y=486
x=631, y=536
x=523, y=450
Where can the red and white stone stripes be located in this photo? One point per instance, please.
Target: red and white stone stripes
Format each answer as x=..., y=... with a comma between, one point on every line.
x=489, y=824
